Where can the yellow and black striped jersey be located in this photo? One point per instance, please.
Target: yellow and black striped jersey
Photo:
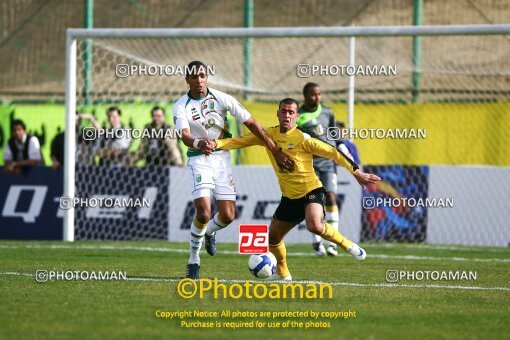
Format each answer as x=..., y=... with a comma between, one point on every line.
x=301, y=148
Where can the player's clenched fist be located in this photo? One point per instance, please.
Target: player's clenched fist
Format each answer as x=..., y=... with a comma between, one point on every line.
x=364, y=178
x=207, y=146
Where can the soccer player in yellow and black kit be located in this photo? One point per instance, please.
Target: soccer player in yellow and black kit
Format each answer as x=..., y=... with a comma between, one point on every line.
x=303, y=195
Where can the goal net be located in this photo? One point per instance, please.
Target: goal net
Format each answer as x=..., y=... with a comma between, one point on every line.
x=443, y=186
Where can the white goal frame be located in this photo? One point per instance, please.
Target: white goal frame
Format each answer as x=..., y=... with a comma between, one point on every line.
x=282, y=32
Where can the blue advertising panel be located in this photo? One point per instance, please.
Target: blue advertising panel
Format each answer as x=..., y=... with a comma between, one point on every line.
x=29, y=204
x=387, y=213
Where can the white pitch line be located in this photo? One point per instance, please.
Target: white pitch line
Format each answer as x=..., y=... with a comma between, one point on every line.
x=414, y=257
x=434, y=247
x=343, y=284
x=226, y=252
x=17, y=274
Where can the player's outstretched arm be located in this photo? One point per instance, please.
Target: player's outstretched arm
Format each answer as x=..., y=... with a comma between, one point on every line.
x=325, y=150
x=281, y=158
x=243, y=116
x=237, y=143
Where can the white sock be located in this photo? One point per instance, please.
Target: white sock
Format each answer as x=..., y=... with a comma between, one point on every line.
x=214, y=225
x=195, y=243
x=332, y=218
x=316, y=238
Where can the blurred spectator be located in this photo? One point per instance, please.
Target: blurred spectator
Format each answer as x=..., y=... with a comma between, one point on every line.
x=85, y=148
x=159, y=151
x=57, y=151
x=114, y=147
x=346, y=146
x=23, y=150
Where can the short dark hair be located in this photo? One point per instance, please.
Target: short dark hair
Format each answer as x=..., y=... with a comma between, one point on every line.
x=288, y=101
x=309, y=86
x=195, y=66
x=19, y=122
x=113, y=108
x=157, y=108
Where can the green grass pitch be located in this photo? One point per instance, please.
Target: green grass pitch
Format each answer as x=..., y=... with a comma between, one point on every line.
x=126, y=309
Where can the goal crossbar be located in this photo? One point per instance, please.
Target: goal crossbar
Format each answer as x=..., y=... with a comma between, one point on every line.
x=275, y=32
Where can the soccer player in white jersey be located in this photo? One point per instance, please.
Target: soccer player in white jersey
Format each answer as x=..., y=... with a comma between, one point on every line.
x=201, y=115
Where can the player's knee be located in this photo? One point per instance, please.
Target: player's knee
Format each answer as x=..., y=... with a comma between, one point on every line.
x=203, y=218
x=227, y=216
x=203, y=215
x=203, y=209
x=226, y=211
x=315, y=226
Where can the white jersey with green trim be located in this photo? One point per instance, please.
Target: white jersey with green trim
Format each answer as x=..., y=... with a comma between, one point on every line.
x=206, y=117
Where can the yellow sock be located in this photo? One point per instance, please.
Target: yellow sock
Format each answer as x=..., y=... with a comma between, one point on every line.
x=280, y=252
x=198, y=224
x=333, y=235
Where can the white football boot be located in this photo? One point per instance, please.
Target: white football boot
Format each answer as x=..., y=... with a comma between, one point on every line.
x=319, y=249
x=359, y=253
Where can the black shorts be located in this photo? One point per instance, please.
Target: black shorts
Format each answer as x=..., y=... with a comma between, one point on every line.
x=293, y=210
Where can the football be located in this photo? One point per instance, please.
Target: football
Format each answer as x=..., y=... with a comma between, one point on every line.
x=263, y=266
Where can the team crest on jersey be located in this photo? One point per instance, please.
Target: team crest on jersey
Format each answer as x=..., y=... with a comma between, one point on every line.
x=198, y=179
x=207, y=107
x=290, y=146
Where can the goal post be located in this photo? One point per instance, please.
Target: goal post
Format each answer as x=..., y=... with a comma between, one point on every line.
x=70, y=134
x=276, y=52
